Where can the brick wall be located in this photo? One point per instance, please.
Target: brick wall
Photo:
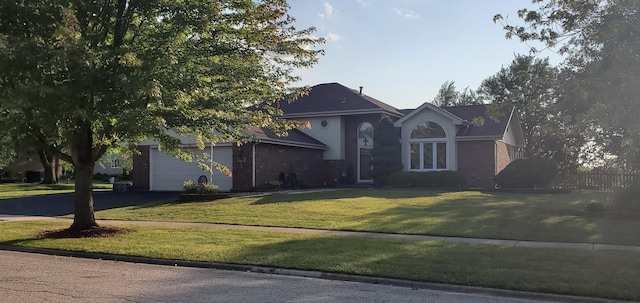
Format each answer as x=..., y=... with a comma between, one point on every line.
x=502, y=156
x=243, y=167
x=140, y=173
x=476, y=162
x=273, y=159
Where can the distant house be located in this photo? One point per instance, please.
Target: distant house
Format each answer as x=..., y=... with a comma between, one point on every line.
x=337, y=147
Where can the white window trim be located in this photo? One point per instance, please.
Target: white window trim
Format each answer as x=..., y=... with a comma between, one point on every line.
x=434, y=154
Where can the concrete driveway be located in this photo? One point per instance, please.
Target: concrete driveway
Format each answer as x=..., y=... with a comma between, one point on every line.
x=63, y=204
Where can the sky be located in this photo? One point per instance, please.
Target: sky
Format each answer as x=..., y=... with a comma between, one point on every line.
x=402, y=51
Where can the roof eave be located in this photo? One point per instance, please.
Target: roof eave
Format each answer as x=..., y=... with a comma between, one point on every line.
x=479, y=138
x=343, y=113
x=456, y=119
x=291, y=143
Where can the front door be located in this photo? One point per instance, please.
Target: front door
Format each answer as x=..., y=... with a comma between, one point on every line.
x=365, y=145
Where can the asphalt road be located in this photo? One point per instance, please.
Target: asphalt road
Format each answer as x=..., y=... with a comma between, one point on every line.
x=27, y=277
x=63, y=204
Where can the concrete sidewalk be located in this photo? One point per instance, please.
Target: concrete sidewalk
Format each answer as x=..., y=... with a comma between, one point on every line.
x=375, y=235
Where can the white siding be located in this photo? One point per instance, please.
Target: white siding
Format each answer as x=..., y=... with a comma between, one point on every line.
x=168, y=173
x=332, y=135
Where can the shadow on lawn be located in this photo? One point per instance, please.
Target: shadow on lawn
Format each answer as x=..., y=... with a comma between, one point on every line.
x=477, y=265
x=346, y=194
x=507, y=216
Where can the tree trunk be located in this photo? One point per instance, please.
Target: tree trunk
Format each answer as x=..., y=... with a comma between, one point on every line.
x=83, y=162
x=48, y=161
x=84, y=218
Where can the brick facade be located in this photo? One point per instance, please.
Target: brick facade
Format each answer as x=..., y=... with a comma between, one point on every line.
x=502, y=156
x=477, y=163
x=242, y=166
x=271, y=160
x=140, y=173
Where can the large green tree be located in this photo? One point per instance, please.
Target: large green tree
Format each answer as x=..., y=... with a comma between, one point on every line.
x=89, y=75
x=531, y=85
x=601, y=42
x=448, y=95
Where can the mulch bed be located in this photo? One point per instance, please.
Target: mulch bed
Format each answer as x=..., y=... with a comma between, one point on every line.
x=95, y=232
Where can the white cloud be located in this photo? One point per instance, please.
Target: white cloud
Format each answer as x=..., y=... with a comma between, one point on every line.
x=332, y=37
x=363, y=2
x=328, y=10
x=405, y=13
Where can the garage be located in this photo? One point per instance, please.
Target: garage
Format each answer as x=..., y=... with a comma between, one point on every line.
x=168, y=173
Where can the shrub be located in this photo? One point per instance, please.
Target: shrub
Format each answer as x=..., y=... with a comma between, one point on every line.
x=595, y=207
x=628, y=199
x=431, y=179
x=191, y=187
x=527, y=173
x=386, y=152
x=275, y=184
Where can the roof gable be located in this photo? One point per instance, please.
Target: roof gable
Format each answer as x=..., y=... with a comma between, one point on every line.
x=463, y=115
x=489, y=126
x=430, y=107
x=335, y=99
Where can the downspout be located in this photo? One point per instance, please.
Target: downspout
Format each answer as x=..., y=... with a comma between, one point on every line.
x=211, y=165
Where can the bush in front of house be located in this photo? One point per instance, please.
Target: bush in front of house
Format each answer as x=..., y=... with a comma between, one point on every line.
x=430, y=179
x=191, y=187
x=274, y=185
x=386, y=152
x=527, y=173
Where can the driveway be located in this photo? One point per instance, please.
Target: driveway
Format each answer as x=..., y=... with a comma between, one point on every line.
x=63, y=204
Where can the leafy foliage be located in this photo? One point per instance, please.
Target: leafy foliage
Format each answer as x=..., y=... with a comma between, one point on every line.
x=431, y=179
x=449, y=96
x=532, y=86
x=600, y=41
x=386, y=152
x=527, y=173
x=91, y=75
x=191, y=187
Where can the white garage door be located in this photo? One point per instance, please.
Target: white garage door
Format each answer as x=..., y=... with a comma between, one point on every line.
x=169, y=173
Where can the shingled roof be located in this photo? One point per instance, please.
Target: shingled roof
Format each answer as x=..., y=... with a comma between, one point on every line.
x=294, y=137
x=334, y=98
x=490, y=126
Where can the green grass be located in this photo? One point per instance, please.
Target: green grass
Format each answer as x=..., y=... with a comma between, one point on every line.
x=609, y=274
x=16, y=190
x=539, y=217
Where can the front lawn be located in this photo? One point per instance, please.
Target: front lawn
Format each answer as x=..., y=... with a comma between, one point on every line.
x=15, y=190
x=540, y=217
x=610, y=274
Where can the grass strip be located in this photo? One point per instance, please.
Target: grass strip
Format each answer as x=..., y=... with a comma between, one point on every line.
x=536, y=217
x=607, y=274
x=17, y=190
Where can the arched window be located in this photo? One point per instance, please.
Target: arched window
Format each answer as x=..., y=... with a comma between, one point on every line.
x=428, y=147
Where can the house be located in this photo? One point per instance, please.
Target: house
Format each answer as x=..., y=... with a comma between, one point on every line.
x=336, y=149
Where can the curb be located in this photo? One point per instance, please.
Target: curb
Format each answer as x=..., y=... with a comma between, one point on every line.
x=317, y=275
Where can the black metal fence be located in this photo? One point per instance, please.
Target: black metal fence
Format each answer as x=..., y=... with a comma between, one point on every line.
x=596, y=180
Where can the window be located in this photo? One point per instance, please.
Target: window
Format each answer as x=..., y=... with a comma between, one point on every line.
x=428, y=147
x=115, y=163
